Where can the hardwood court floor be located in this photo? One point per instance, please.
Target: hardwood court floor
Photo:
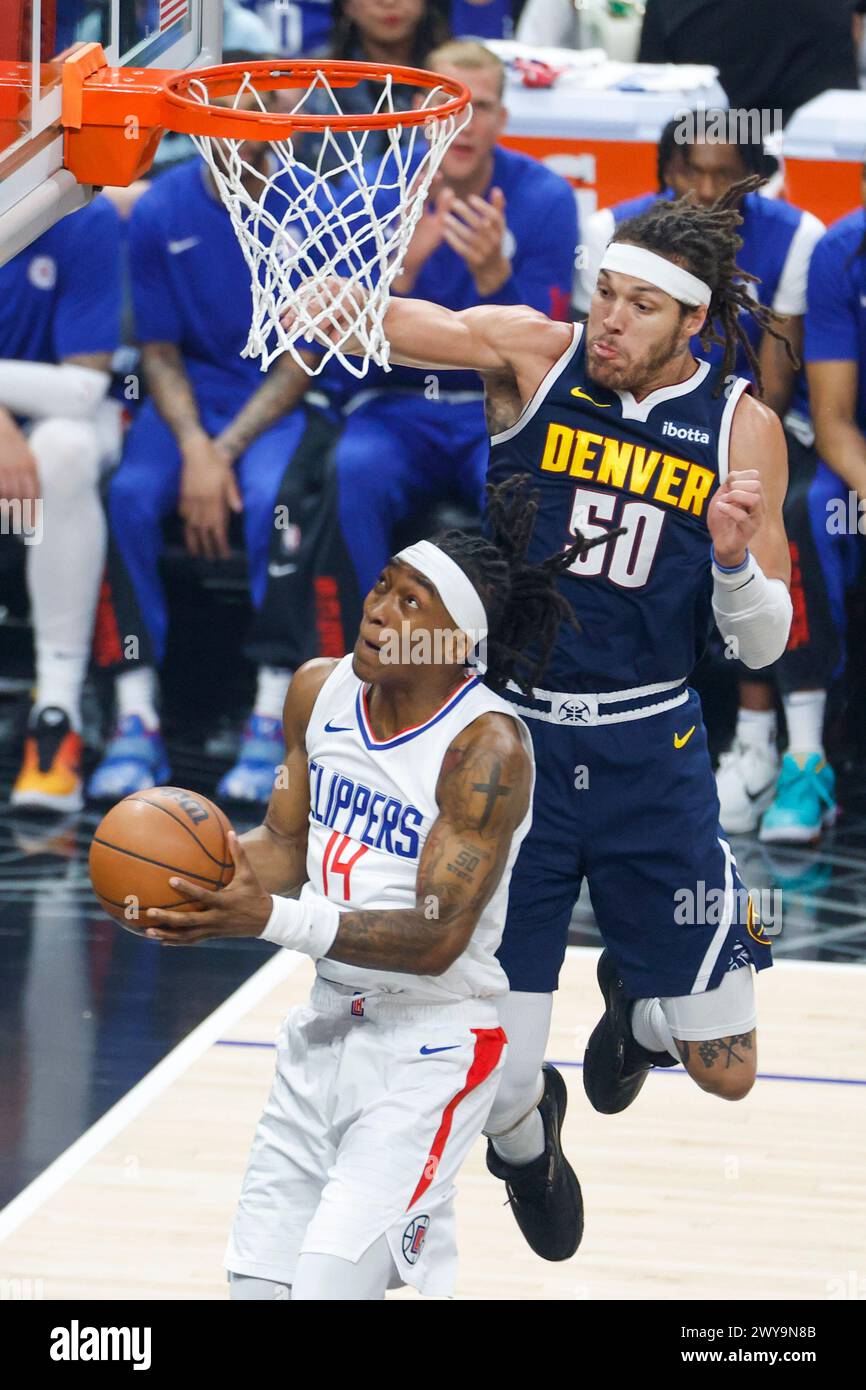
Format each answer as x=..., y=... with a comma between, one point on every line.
x=686, y=1196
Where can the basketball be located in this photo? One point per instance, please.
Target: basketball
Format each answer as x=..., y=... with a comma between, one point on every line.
x=148, y=838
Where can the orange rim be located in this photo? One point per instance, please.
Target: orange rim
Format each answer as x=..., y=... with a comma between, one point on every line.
x=187, y=114
x=113, y=118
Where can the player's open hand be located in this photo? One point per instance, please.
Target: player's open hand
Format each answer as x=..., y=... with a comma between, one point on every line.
x=475, y=229
x=735, y=515
x=329, y=310
x=241, y=909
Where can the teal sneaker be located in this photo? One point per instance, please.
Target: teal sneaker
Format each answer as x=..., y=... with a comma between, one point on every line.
x=805, y=802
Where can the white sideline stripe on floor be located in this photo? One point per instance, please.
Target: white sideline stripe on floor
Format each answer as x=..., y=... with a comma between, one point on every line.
x=147, y=1089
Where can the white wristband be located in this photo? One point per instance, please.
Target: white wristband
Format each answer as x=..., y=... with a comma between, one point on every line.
x=754, y=611
x=308, y=924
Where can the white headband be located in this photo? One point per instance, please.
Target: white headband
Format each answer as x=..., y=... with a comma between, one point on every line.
x=656, y=270
x=456, y=591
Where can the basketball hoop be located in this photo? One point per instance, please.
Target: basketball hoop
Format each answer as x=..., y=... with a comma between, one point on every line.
x=349, y=213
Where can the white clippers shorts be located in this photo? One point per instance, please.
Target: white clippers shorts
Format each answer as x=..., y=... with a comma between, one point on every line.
x=374, y=1106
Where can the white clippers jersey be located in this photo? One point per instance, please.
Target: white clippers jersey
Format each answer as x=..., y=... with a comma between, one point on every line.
x=371, y=808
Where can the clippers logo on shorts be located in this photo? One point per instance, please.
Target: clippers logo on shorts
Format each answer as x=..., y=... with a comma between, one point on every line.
x=42, y=272
x=370, y=817
x=358, y=1007
x=413, y=1238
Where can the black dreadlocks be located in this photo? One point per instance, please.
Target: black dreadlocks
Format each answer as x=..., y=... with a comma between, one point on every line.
x=524, y=606
x=705, y=242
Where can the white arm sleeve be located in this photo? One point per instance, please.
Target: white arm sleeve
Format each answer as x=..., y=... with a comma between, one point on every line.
x=753, y=610
x=593, y=243
x=38, y=390
x=790, y=296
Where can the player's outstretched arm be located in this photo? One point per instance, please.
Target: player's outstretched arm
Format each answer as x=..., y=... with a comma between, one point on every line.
x=483, y=794
x=488, y=338
x=277, y=849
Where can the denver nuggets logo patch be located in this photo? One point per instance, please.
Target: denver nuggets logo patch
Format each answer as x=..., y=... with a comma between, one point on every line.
x=573, y=712
x=413, y=1238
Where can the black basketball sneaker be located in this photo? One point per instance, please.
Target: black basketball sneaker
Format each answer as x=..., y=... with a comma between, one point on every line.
x=545, y=1194
x=615, y=1066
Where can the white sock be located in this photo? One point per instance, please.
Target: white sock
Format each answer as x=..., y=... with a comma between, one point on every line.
x=271, y=690
x=136, y=694
x=514, y=1124
x=65, y=568
x=756, y=727
x=804, y=711
x=524, y=1142
x=651, y=1029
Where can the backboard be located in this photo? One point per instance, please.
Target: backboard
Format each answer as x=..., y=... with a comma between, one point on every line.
x=35, y=189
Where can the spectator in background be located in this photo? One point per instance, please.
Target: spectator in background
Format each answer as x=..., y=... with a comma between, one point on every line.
x=395, y=32
x=499, y=228
x=59, y=325
x=386, y=31
x=776, y=54
x=835, y=352
x=215, y=437
x=778, y=241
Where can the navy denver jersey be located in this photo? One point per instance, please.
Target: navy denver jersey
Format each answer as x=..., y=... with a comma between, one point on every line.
x=600, y=460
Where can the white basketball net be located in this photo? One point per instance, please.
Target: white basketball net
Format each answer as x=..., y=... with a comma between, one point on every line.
x=299, y=225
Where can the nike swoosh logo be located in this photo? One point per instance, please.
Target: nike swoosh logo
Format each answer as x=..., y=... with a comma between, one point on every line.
x=680, y=741
x=337, y=728
x=753, y=796
x=175, y=247
x=278, y=571
x=426, y=1051
x=602, y=405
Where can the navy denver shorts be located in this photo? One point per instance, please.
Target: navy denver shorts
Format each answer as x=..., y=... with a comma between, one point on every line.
x=632, y=808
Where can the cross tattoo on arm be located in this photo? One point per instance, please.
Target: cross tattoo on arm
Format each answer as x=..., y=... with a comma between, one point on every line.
x=492, y=790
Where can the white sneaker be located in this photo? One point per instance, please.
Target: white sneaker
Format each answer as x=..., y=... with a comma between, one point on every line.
x=746, y=781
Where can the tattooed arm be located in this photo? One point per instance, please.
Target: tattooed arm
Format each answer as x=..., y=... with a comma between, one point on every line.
x=280, y=392
x=483, y=795
x=171, y=389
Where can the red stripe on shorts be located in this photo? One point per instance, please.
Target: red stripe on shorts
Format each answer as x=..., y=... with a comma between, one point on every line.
x=489, y=1043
